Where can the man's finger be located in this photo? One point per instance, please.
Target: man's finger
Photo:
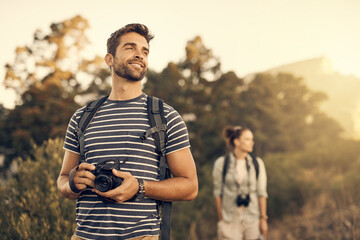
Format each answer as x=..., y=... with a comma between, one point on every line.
x=84, y=182
x=86, y=166
x=121, y=174
x=109, y=194
x=85, y=174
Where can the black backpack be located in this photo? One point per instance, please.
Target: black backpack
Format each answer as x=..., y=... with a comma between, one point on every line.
x=226, y=166
x=155, y=109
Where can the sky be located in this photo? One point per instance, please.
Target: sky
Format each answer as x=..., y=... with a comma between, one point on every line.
x=247, y=36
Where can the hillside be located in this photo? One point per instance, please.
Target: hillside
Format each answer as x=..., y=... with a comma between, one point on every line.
x=343, y=102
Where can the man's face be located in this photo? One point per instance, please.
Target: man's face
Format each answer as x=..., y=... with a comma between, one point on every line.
x=131, y=58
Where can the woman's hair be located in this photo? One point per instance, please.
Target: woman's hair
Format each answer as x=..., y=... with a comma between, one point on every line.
x=231, y=133
x=113, y=41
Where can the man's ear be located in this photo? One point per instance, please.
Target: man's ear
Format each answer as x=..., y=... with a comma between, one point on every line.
x=109, y=59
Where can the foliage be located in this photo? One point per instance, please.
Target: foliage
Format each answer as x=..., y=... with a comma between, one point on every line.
x=47, y=58
x=290, y=132
x=47, y=76
x=312, y=170
x=281, y=110
x=30, y=206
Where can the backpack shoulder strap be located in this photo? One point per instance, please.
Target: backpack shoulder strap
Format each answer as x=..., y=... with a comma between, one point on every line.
x=84, y=120
x=226, y=166
x=158, y=127
x=256, y=164
x=225, y=169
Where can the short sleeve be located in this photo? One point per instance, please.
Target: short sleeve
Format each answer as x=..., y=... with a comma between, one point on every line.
x=71, y=141
x=262, y=179
x=177, y=133
x=217, y=176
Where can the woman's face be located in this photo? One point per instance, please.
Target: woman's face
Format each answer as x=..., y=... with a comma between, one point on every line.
x=245, y=142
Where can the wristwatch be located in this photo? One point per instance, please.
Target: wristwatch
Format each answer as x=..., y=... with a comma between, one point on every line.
x=141, y=192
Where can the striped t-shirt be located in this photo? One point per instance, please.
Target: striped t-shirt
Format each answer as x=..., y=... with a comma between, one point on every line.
x=114, y=134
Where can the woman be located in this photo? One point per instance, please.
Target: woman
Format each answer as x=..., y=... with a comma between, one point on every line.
x=241, y=200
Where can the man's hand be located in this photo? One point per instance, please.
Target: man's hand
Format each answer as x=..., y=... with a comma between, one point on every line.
x=83, y=178
x=128, y=188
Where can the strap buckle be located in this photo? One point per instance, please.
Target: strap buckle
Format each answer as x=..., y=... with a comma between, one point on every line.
x=153, y=130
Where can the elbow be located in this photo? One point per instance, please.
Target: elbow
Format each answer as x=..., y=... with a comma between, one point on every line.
x=193, y=194
x=62, y=186
x=59, y=185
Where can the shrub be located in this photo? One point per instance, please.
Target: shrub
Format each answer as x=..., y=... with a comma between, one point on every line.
x=31, y=206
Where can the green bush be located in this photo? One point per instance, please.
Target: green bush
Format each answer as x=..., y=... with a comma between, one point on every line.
x=31, y=206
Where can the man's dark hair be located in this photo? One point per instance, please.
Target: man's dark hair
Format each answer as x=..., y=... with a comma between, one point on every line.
x=113, y=41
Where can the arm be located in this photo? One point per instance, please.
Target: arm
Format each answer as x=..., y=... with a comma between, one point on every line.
x=263, y=216
x=262, y=195
x=183, y=185
x=217, y=182
x=218, y=207
x=82, y=178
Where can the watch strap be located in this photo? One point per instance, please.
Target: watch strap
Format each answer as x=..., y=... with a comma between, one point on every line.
x=141, y=192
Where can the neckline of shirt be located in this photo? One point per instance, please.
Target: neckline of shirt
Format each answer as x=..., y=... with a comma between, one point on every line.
x=143, y=95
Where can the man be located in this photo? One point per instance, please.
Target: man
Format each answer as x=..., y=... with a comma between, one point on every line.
x=114, y=134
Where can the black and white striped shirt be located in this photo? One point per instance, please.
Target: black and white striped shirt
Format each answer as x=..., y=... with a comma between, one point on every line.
x=114, y=134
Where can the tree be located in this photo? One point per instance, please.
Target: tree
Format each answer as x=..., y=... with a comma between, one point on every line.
x=204, y=96
x=200, y=63
x=51, y=79
x=51, y=58
x=281, y=110
x=310, y=167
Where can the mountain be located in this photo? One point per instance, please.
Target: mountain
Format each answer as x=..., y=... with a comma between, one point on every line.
x=343, y=102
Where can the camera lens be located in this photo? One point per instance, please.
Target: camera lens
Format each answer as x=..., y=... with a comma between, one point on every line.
x=103, y=183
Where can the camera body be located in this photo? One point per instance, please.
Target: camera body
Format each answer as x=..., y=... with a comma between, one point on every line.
x=243, y=200
x=105, y=180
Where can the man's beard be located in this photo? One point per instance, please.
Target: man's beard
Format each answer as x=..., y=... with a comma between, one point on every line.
x=124, y=71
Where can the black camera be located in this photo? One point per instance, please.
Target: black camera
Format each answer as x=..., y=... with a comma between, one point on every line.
x=242, y=200
x=105, y=180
